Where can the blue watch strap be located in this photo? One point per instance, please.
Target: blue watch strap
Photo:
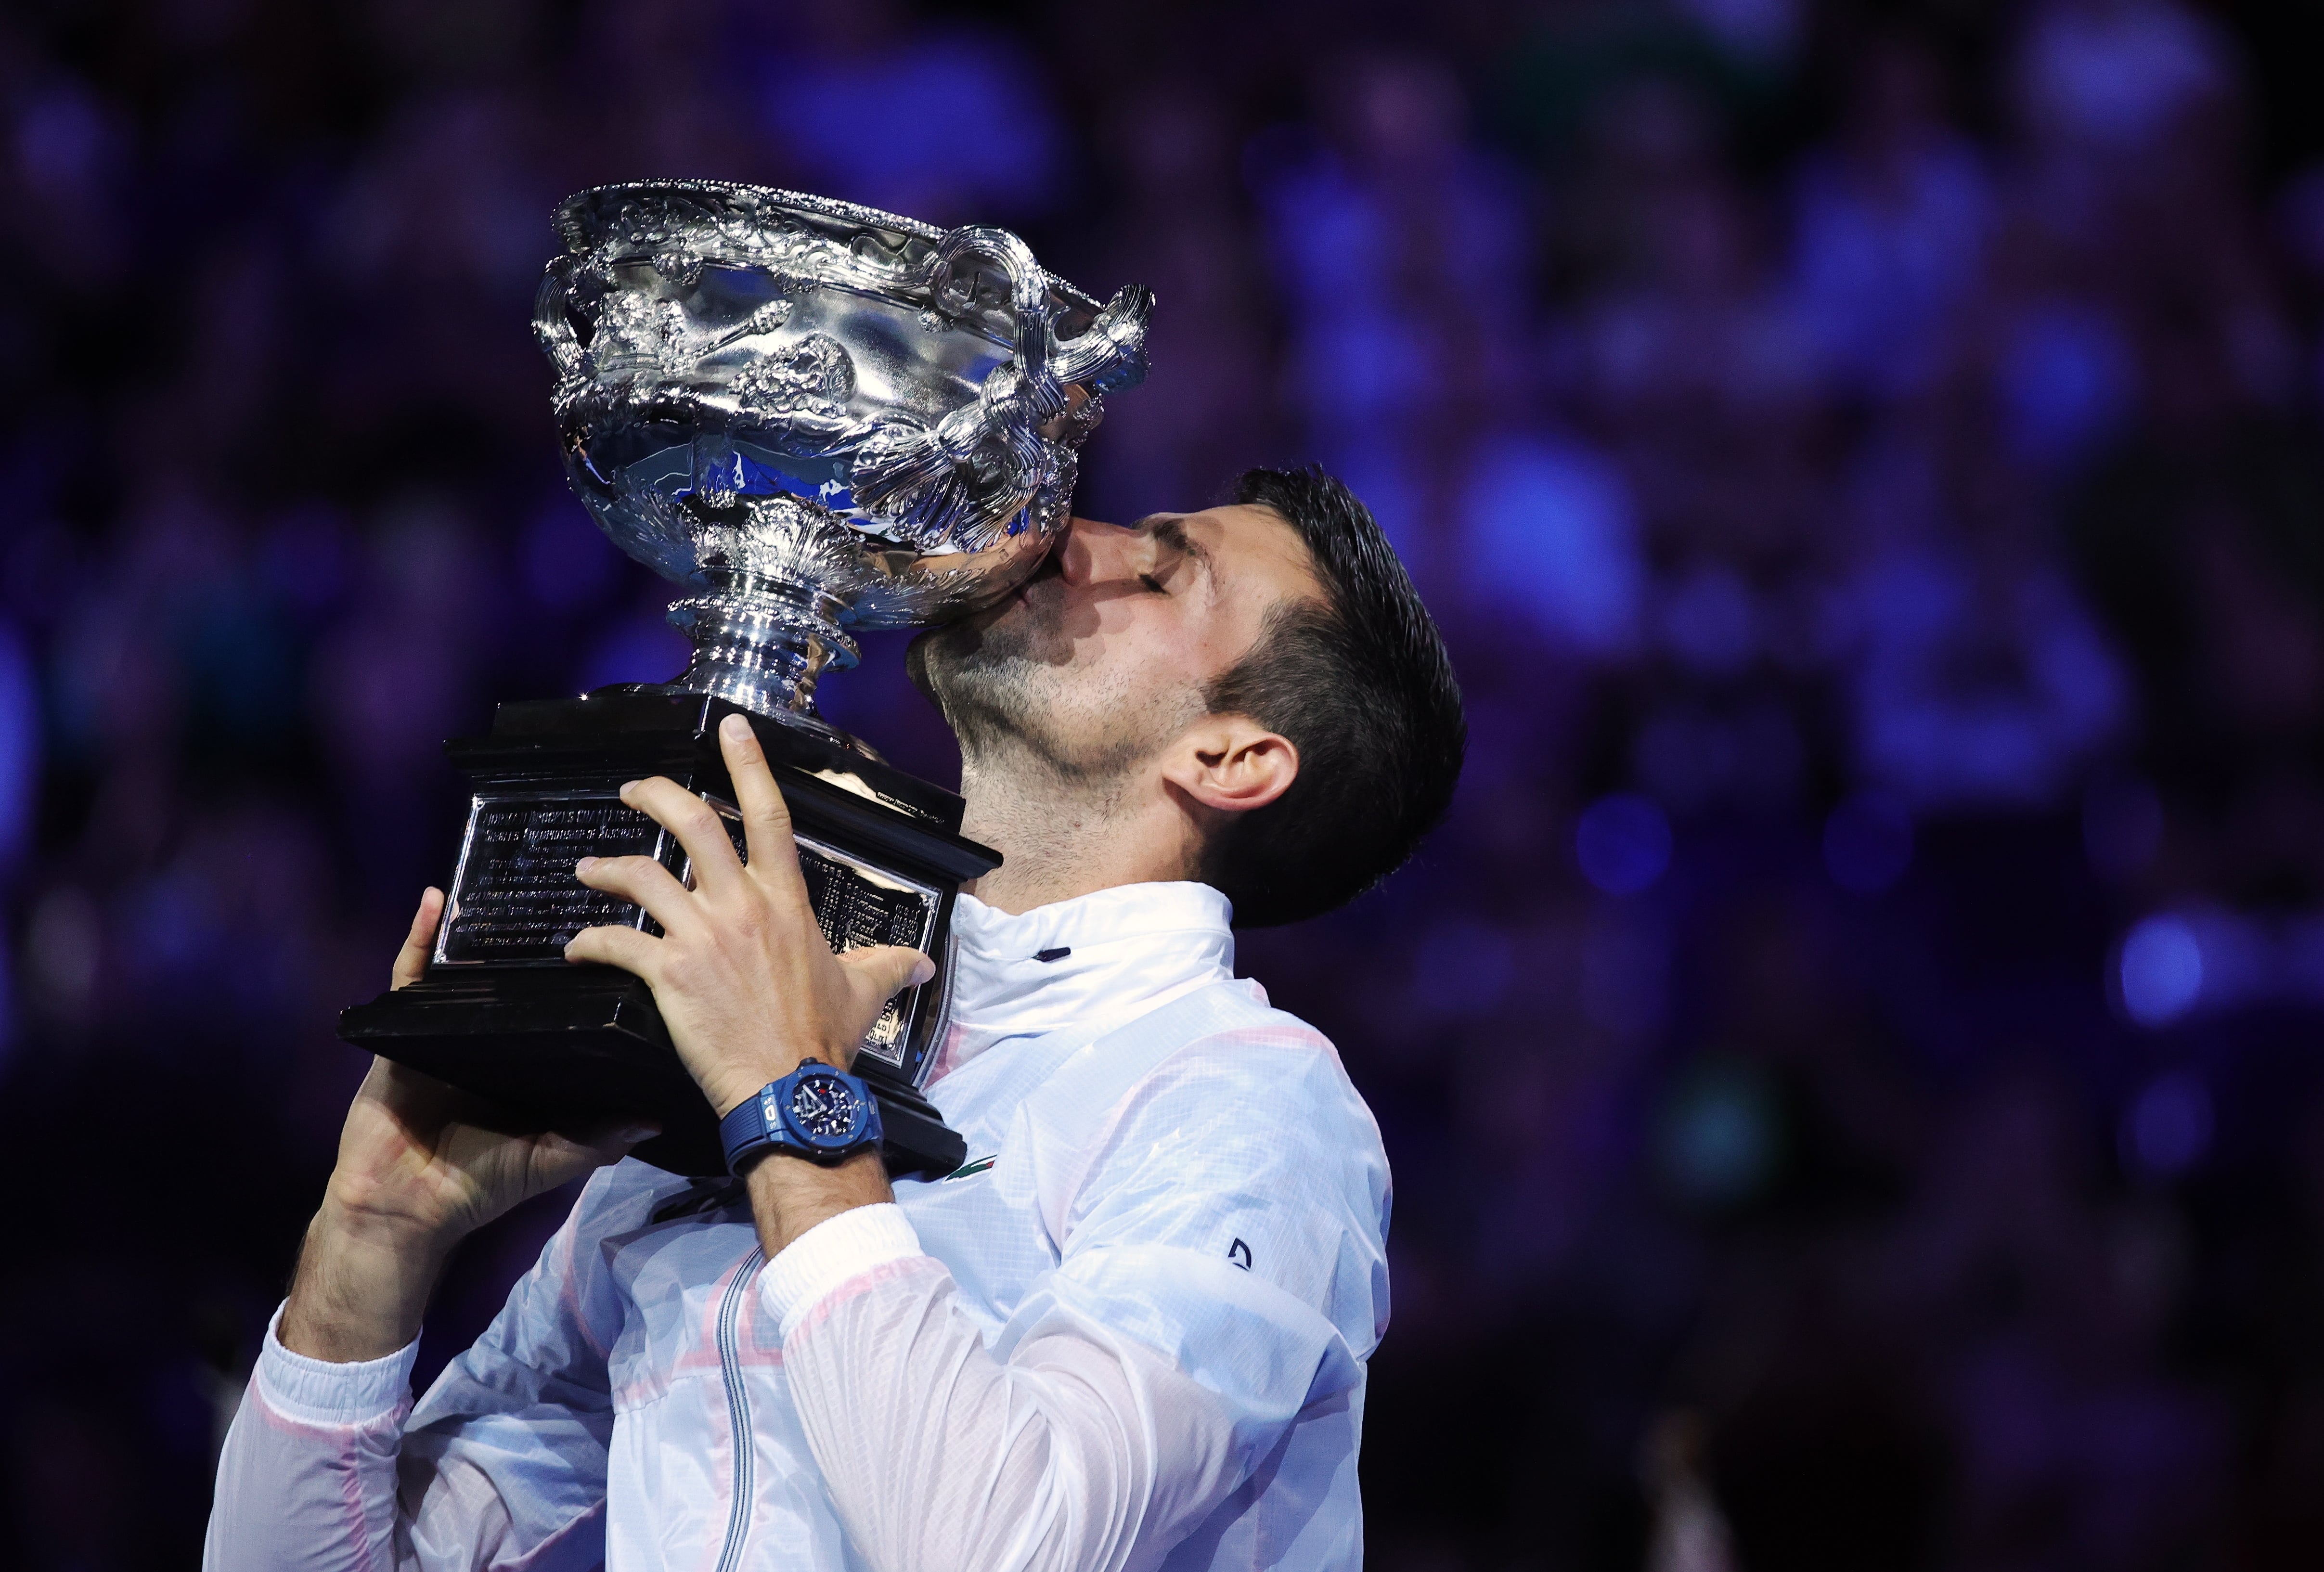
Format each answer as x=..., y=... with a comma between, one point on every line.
x=743, y=1131
x=767, y=1120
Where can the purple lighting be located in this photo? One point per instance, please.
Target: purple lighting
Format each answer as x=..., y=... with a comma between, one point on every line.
x=1623, y=844
x=2167, y=1128
x=1868, y=844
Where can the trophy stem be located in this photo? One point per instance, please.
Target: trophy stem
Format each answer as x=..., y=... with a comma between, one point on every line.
x=763, y=645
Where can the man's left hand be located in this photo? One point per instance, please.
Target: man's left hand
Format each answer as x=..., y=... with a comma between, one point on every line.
x=741, y=972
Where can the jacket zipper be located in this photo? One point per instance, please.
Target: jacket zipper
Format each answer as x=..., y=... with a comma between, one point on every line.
x=738, y=1407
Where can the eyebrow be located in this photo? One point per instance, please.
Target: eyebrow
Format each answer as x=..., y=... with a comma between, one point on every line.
x=1171, y=532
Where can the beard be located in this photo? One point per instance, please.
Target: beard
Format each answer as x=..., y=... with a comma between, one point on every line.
x=1007, y=682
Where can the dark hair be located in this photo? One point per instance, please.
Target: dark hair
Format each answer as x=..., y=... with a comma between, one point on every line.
x=1361, y=683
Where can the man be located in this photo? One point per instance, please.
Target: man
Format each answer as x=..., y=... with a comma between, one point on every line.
x=1129, y=1333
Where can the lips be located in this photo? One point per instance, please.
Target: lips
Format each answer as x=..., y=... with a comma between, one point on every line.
x=1049, y=568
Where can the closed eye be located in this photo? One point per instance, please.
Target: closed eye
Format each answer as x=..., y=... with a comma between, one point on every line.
x=1175, y=546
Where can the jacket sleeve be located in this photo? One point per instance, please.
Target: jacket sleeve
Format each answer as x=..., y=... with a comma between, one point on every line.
x=1222, y=1276
x=329, y=1466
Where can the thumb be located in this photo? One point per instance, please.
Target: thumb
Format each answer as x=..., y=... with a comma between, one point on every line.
x=880, y=972
x=412, y=960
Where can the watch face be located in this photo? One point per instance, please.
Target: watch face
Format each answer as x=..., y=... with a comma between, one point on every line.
x=825, y=1107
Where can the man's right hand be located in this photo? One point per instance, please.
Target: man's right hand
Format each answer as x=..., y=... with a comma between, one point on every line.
x=418, y=1171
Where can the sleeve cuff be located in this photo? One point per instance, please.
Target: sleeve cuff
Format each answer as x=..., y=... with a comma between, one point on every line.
x=832, y=1252
x=320, y=1393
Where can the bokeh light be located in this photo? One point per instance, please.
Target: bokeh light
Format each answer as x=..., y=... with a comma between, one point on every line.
x=2162, y=970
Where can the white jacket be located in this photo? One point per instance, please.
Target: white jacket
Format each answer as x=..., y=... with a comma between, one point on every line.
x=1133, y=1339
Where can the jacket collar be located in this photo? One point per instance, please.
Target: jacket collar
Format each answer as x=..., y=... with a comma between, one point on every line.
x=1106, y=957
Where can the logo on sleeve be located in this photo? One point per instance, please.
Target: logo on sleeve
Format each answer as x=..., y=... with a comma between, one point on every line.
x=970, y=1169
x=1239, y=1254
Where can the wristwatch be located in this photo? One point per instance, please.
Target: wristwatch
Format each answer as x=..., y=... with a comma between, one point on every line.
x=815, y=1112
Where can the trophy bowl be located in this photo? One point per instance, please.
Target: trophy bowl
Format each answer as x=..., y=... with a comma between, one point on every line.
x=818, y=416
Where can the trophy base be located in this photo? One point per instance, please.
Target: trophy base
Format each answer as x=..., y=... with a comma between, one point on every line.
x=551, y=1044
x=577, y=1052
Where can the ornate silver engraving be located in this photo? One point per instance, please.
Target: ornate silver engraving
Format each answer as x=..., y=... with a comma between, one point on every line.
x=821, y=416
x=812, y=375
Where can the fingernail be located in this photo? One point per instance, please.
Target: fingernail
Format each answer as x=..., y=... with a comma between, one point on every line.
x=584, y=865
x=628, y=786
x=922, y=969
x=734, y=729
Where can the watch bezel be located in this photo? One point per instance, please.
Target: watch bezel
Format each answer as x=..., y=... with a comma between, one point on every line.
x=798, y=1132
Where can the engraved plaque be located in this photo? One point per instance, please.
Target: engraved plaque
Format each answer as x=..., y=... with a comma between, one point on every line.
x=516, y=902
x=514, y=898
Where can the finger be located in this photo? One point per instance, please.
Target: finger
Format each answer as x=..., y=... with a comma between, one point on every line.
x=634, y=952
x=877, y=973
x=698, y=827
x=642, y=880
x=766, y=817
x=412, y=960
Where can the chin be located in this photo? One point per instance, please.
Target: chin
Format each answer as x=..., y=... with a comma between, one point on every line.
x=975, y=670
x=915, y=664
x=992, y=673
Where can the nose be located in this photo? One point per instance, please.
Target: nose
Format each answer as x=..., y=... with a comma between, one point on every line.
x=1094, y=552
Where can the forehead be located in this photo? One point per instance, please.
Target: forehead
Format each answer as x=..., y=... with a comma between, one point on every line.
x=1254, y=551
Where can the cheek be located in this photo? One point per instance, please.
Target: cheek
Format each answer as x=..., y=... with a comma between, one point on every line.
x=1188, y=631
x=1097, y=634
x=1152, y=649
x=1128, y=686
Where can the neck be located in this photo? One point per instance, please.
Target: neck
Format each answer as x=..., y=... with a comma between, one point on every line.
x=1062, y=839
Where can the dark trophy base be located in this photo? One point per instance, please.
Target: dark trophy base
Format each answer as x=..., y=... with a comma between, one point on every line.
x=555, y=1045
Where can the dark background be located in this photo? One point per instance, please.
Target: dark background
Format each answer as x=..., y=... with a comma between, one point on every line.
x=1850, y=1061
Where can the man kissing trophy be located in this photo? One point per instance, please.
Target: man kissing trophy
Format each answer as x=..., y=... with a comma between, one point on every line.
x=951, y=1203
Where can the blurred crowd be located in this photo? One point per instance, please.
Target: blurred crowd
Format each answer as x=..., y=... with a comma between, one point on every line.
x=1848, y=1062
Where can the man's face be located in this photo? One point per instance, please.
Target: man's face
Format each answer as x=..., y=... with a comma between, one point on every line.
x=1104, y=655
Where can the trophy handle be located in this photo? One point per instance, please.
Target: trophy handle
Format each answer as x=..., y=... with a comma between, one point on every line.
x=926, y=476
x=551, y=328
x=1111, y=351
x=1038, y=393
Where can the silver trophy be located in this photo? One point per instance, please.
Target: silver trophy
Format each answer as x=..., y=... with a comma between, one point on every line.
x=821, y=416
x=817, y=418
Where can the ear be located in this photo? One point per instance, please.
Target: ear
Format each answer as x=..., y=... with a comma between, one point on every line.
x=1230, y=764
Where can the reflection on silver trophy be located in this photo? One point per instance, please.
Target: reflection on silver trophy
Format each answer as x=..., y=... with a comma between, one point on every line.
x=820, y=416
